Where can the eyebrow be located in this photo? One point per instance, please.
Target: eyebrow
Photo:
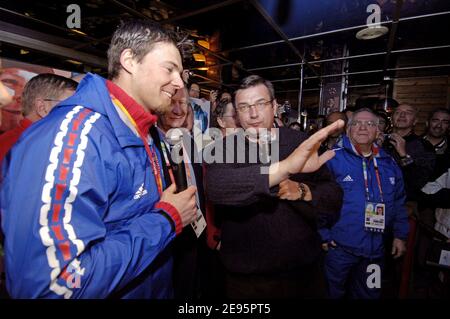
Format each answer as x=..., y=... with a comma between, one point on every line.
x=176, y=66
x=258, y=100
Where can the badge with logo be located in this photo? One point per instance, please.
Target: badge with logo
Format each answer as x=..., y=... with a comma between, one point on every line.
x=374, y=218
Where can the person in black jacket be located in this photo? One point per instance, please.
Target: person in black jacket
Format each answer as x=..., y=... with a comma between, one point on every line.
x=414, y=155
x=189, y=271
x=270, y=211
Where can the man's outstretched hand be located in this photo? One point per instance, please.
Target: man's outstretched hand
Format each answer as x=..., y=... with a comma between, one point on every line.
x=305, y=158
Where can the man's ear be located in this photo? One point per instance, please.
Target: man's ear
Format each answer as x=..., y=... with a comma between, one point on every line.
x=221, y=123
x=128, y=61
x=275, y=107
x=40, y=107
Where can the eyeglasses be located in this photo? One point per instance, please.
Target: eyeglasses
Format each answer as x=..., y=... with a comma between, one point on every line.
x=244, y=108
x=359, y=123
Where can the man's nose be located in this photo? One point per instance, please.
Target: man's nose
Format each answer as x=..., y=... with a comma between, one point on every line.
x=253, y=111
x=363, y=126
x=178, y=81
x=176, y=108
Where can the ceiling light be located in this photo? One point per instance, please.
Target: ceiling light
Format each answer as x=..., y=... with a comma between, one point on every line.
x=370, y=33
x=199, y=57
x=205, y=68
x=78, y=31
x=203, y=43
x=74, y=62
x=22, y=51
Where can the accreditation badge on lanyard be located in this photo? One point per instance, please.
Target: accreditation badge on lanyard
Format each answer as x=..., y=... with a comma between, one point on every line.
x=374, y=217
x=374, y=212
x=199, y=224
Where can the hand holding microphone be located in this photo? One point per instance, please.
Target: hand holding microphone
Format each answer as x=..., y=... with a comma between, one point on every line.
x=175, y=139
x=183, y=201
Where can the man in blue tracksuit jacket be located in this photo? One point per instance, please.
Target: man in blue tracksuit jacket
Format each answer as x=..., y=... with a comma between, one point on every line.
x=83, y=205
x=374, y=203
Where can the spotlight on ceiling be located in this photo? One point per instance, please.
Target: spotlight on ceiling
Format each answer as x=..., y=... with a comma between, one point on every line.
x=370, y=33
x=199, y=57
x=203, y=43
x=74, y=62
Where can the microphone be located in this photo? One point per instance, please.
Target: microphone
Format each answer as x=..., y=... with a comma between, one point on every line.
x=265, y=140
x=175, y=138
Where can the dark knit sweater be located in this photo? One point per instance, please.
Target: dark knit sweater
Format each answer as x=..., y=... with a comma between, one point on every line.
x=262, y=234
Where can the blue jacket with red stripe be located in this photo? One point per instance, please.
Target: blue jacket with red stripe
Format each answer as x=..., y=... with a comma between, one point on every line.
x=349, y=231
x=80, y=207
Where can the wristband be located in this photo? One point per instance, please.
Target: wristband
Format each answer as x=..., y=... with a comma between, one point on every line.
x=302, y=189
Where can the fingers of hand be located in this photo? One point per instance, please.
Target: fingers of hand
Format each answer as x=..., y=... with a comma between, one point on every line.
x=171, y=189
x=190, y=191
x=394, y=250
x=313, y=142
x=326, y=157
x=281, y=192
x=282, y=185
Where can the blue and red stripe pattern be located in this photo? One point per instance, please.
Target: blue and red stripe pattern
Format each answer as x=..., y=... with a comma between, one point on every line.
x=60, y=190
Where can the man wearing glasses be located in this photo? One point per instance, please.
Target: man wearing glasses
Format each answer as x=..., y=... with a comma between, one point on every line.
x=372, y=183
x=270, y=246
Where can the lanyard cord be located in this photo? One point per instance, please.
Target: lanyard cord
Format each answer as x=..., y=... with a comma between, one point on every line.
x=377, y=174
x=153, y=158
x=166, y=160
x=366, y=181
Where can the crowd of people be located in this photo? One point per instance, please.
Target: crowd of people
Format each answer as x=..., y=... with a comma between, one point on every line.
x=121, y=201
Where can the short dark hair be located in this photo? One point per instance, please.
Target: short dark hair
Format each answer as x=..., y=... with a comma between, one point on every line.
x=383, y=115
x=192, y=83
x=344, y=117
x=295, y=124
x=47, y=86
x=439, y=110
x=138, y=35
x=219, y=111
x=254, y=80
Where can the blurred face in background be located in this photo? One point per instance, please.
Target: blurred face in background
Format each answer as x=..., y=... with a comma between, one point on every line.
x=438, y=124
x=229, y=119
x=226, y=95
x=176, y=116
x=14, y=80
x=194, y=91
x=404, y=117
x=333, y=117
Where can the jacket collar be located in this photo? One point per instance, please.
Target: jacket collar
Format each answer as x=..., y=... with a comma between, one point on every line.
x=137, y=112
x=93, y=93
x=354, y=149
